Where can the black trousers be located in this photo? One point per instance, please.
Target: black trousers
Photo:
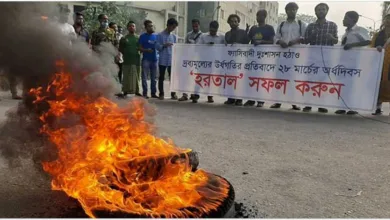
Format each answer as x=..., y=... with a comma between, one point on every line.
x=162, y=70
x=120, y=72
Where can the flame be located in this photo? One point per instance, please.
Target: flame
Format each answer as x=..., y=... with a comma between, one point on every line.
x=109, y=160
x=44, y=17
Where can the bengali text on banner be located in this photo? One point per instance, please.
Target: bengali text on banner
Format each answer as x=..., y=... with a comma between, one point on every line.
x=305, y=75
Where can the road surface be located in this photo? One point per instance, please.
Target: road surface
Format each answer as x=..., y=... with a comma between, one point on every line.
x=286, y=164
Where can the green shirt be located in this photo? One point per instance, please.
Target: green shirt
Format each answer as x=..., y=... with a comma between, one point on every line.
x=128, y=46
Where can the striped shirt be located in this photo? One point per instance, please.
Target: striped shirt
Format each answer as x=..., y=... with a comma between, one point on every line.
x=165, y=53
x=316, y=33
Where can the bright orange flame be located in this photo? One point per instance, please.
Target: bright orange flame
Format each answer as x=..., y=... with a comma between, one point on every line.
x=111, y=161
x=44, y=17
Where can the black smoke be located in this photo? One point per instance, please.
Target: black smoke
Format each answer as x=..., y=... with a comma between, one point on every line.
x=29, y=49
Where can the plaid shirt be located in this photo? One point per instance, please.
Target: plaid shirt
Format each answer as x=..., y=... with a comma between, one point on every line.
x=165, y=53
x=316, y=33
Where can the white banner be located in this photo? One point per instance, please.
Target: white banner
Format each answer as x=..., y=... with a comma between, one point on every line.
x=305, y=75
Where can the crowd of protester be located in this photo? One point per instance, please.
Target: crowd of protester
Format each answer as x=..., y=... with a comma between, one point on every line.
x=150, y=53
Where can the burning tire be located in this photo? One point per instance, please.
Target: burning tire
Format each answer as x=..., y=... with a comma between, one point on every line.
x=192, y=156
x=152, y=168
x=220, y=211
x=111, y=162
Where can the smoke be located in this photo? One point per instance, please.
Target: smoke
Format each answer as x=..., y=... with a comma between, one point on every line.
x=29, y=49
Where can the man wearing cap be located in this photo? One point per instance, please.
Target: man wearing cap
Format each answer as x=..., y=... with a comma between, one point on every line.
x=355, y=36
x=289, y=33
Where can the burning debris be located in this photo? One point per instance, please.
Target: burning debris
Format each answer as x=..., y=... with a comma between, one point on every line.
x=102, y=154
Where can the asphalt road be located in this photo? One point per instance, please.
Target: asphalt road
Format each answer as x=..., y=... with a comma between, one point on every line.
x=297, y=164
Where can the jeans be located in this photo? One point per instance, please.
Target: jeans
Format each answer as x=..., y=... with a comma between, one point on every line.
x=149, y=67
x=162, y=77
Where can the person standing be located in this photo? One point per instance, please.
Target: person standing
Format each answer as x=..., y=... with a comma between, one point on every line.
x=119, y=36
x=147, y=43
x=192, y=38
x=289, y=33
x=64, y=26
x=322, y=32
x=113, y=30
x=102, y=34
x=260, y=34
x=119, y=33
x=381, y=41
x=235, y=36
x=164, y=43
x=79, y=28
x=13, y=83
x=129, y=46
x=211, y=38
x=354, y=36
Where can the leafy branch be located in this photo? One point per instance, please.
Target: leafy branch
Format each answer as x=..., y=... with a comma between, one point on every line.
x=118, y=13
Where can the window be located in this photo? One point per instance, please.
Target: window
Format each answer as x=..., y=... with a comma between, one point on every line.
x=222, y=14
x=78, y=8
x=202, y=13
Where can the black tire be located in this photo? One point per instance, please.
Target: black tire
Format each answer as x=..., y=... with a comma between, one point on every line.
x=220, y=212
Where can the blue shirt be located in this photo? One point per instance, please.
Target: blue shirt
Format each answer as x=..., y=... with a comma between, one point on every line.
x=148, y=41
x=165, y=53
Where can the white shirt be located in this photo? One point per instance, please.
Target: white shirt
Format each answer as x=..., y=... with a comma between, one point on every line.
x=67, y=29
x=355, y=34
x=290, y=31
x=120, y=56
x=190, y=37
x=207, y=38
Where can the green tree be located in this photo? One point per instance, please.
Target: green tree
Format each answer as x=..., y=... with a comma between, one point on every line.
x=303, y=17
x=119, y=13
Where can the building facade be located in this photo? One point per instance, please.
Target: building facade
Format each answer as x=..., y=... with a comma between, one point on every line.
x=220, y=11
x=158, y=12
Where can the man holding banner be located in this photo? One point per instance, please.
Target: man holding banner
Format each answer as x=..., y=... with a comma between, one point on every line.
x=235, y=36
x=355, y=36
x=211, y=38
x=261, y=34
x=322, y=32
x=289, y=33
x=192, y=38
x=328, y=77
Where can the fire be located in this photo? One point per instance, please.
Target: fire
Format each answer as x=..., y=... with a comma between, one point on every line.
x=108, y=158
